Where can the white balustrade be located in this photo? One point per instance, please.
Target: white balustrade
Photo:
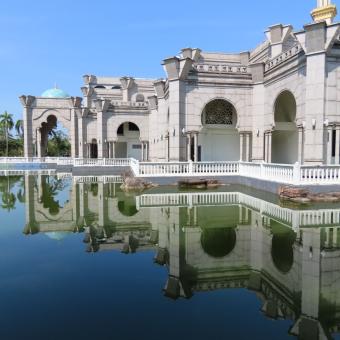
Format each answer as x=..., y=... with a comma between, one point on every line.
x=320, y=175
x=220, y=168
x=289, y=217
x=102, y=162
x=48, y=172
x=97, y=179
x=280, y=173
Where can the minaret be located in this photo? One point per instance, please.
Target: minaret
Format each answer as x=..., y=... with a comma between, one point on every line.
x=326, y=11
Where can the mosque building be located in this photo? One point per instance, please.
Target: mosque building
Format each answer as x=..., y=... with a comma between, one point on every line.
x=279, y=103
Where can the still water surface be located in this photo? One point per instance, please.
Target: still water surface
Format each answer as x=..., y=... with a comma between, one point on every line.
x=86, y=261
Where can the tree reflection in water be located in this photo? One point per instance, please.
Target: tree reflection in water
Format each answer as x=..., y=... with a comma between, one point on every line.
x=51, y=187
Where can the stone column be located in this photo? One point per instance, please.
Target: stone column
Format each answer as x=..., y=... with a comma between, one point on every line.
x=241, y=146
x=167, y=149
x=40, y=187
x=247, y=147
x=329, y=144
x=176, y=120
x=27, y=103
x=146, y=151
x=76, y=113
x=337, y=145
x=107, y=146
x=101, y=200
x=88, y=150
x=111, y=150
x=30, y=202
x=188, y=147
x=258, y=111
x=28, y=133
x=335, y=237
x=81, y=199
x=266, y=147
x=310, y=282
x=81, y=139
x=100, y=134
x=270, y=147
x=196, y=147
x=142, y=143
x=101, y=108
x=300, y=144
x=74, y=200
x=114, y=149
x=39, y=142
x=73, y=134
x=328, y=238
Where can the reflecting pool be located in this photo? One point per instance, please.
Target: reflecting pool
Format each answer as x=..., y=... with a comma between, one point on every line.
x=82, y=260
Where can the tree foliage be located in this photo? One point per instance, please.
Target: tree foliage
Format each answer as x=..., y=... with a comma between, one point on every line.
x=12, y=144
x=58, y=144
x=7, y=124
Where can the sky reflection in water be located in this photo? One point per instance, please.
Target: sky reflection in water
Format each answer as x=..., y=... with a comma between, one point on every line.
x=83, y=260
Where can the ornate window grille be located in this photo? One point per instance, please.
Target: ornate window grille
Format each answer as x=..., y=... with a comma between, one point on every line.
x=219, y=112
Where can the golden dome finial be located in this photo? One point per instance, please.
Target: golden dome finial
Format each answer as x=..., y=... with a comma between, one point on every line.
x=325, y=11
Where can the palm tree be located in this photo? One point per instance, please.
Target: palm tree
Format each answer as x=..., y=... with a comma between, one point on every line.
x=8, y=201
x=8, y=198
x=19, y=127
x=6, y=120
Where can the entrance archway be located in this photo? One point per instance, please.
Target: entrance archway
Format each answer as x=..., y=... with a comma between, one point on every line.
x=219, y=139
x=128, y=141
x=285, y=137
x=53, y=139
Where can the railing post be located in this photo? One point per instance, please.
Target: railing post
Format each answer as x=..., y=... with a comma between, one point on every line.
x=240, y=168
x=190, y=167
x=261, y=169
x=137, y=168
x=296, y=173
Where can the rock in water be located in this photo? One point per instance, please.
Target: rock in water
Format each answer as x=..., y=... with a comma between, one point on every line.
x=303, y=196
x=135, y=184
x=292, y=192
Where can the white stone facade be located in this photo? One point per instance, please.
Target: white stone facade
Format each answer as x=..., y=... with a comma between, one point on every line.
x=282, y=98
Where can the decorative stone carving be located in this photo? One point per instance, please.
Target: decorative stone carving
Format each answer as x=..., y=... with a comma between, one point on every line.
x=219, y=112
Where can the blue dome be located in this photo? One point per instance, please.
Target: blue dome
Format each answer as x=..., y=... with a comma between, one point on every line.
x=55, y=93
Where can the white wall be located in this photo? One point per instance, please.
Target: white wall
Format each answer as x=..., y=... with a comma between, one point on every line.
x=134, y=153
x=219, y=145
x=131, y=138
x=285, y=147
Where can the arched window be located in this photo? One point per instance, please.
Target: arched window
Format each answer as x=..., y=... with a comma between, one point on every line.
x=116, y=87
x=133, y=127
x=120, y=130
x=99, y=87
x=285, y=108
x=139, y=98
x=218, y=112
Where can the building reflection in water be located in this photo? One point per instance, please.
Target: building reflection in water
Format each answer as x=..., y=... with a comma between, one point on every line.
x=208, y=240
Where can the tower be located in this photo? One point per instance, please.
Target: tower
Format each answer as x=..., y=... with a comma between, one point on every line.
x=325, y=11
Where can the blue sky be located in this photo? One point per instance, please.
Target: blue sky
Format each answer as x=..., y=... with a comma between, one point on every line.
x=43, y=42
